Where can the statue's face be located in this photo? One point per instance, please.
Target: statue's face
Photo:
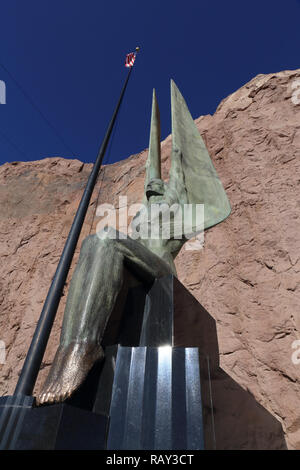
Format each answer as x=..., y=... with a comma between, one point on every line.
x=155, y=187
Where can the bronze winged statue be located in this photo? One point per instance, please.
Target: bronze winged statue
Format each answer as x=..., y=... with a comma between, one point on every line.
x=99, y=274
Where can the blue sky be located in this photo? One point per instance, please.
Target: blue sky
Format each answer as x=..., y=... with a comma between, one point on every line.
x=63, y=65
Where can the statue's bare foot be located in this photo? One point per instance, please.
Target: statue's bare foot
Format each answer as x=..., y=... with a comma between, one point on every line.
x=68, y=371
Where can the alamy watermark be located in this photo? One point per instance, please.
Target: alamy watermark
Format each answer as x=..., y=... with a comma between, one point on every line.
x=296, y=93
x=2, y=92
x=156, y=221
x=2, y=352
x=296, y=354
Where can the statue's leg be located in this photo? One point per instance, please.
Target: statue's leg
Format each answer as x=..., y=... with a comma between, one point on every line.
x=94, y=287
x=93, y=290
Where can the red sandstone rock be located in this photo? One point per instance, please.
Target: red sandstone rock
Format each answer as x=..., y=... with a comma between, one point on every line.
x=247, y=275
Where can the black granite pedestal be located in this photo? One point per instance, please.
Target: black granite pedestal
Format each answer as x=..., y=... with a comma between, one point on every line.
x=55, y=427
x=161, y=394
x=152, y=391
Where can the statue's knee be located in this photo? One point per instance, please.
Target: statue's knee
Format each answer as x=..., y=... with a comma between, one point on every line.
x=107, y=233
x=91, y=242
x=101, y=240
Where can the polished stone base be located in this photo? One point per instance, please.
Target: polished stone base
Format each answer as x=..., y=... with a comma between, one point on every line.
x=57, y=427
x=153, y=388
x=161, y=400
x=164, y=312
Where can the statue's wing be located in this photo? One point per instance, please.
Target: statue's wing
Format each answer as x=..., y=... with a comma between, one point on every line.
x=192, y=166
x=153, y=164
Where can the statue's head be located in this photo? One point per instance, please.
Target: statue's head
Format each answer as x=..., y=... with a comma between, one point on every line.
x=155, y=187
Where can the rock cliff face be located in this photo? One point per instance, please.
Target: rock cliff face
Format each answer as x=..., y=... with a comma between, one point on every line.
x=247, y=276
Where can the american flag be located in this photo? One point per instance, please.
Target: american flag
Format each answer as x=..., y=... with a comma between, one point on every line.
x=130, y=58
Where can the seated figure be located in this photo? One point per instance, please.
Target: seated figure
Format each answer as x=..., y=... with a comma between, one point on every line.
x=99, y=274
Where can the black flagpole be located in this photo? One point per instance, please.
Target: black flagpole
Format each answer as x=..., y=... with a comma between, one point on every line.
x=41, y=335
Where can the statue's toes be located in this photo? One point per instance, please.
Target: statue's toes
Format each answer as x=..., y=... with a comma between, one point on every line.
x=42, y=398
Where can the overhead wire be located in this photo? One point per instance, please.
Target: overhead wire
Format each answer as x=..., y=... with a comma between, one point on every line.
x=34, y=105
x=7, y=139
